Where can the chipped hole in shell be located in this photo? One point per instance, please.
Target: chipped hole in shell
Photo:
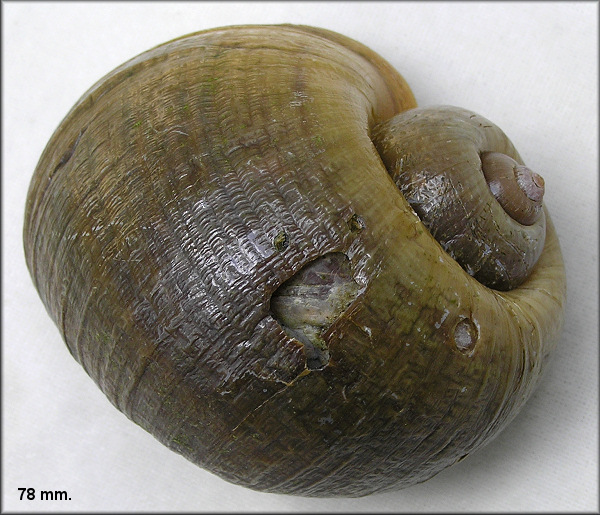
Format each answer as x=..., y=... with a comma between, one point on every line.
x=308, y=303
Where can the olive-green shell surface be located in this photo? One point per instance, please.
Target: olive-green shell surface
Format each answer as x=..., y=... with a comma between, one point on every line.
x=192, y=182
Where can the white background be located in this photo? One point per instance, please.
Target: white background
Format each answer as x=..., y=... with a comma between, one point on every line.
x=529, y=67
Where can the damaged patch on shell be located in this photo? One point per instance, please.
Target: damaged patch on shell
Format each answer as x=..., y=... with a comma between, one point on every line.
x=309, y=302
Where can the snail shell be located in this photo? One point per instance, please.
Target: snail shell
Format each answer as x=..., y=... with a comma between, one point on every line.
x=218, y=239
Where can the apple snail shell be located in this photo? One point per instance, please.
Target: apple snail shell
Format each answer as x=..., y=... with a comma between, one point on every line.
x=226, y=231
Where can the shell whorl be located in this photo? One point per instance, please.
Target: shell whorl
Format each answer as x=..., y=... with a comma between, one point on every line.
x=461, y=175
x=518, y=189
